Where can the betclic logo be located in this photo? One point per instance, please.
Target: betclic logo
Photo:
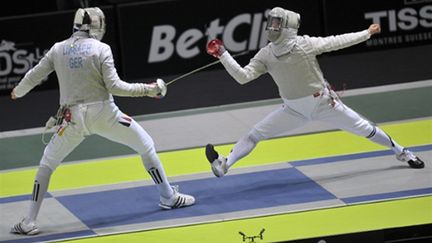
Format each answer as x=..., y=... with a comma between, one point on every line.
x=15, y=61
x=165, y=41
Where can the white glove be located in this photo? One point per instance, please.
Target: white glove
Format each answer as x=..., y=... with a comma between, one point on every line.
x=156, y=89
x=163, y=88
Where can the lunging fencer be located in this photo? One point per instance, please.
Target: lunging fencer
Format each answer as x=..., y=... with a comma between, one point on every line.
x=291, y=61
x=87, y=81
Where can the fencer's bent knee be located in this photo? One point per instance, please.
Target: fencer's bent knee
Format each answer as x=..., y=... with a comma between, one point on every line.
x=148, y=152
x=50, y=162
x=44, y=171
x=363, y=128
x=144, y=143
x=150, y=158
x=255, y=136
x=145, y=149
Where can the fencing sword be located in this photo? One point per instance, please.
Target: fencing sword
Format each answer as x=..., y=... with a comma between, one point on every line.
x=204, y=67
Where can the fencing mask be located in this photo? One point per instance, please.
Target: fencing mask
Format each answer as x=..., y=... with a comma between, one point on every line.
x=281, y=30
x=91, y=20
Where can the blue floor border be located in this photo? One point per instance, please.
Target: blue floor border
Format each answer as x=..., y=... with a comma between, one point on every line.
x=356, y=156
x=388, y=195
x=19, y=198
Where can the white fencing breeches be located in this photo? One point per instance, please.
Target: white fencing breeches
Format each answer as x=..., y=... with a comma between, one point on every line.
x=102, y=118
x=106, y=120
x=293, y=114
x=296, y=113
x=324, y=107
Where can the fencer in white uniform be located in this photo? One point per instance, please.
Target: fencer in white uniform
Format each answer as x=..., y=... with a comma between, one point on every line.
x=87, y=81
x=291, y=61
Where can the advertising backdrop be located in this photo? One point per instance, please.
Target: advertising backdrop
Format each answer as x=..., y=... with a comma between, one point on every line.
x=167, y=38
x=24, y=40
x=403, y=23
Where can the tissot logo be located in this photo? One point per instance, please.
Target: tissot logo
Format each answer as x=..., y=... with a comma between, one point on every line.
x=165, y=40
x=410, y=23
x=402, y=19
x=15, y=61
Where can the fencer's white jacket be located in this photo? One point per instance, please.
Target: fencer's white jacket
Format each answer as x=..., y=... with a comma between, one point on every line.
x=85, y=71
x=297, y=74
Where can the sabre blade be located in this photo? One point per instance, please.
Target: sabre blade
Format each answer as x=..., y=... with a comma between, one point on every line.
x=193, y=71
x=203, y=67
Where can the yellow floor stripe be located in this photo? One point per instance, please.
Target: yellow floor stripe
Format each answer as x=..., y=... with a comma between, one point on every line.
x=111, y=171
x=309, y=224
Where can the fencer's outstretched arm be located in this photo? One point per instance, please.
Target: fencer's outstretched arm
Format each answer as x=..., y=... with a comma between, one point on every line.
x=250, y=72
x=253, y=70
x=332, y=43
x=102, y=68
x=118, y=87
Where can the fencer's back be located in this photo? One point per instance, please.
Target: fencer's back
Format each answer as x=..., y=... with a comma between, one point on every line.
x=78, y=62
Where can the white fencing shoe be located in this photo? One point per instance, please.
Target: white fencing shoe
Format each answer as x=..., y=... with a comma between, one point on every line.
x=413, y=161
x=178, y=200
x=24, y=228
x=218, y=162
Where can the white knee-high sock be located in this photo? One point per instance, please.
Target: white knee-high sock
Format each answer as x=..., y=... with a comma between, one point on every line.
x=40, y=187
x=380, y=137
x=155, y=169
x=242, y=148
